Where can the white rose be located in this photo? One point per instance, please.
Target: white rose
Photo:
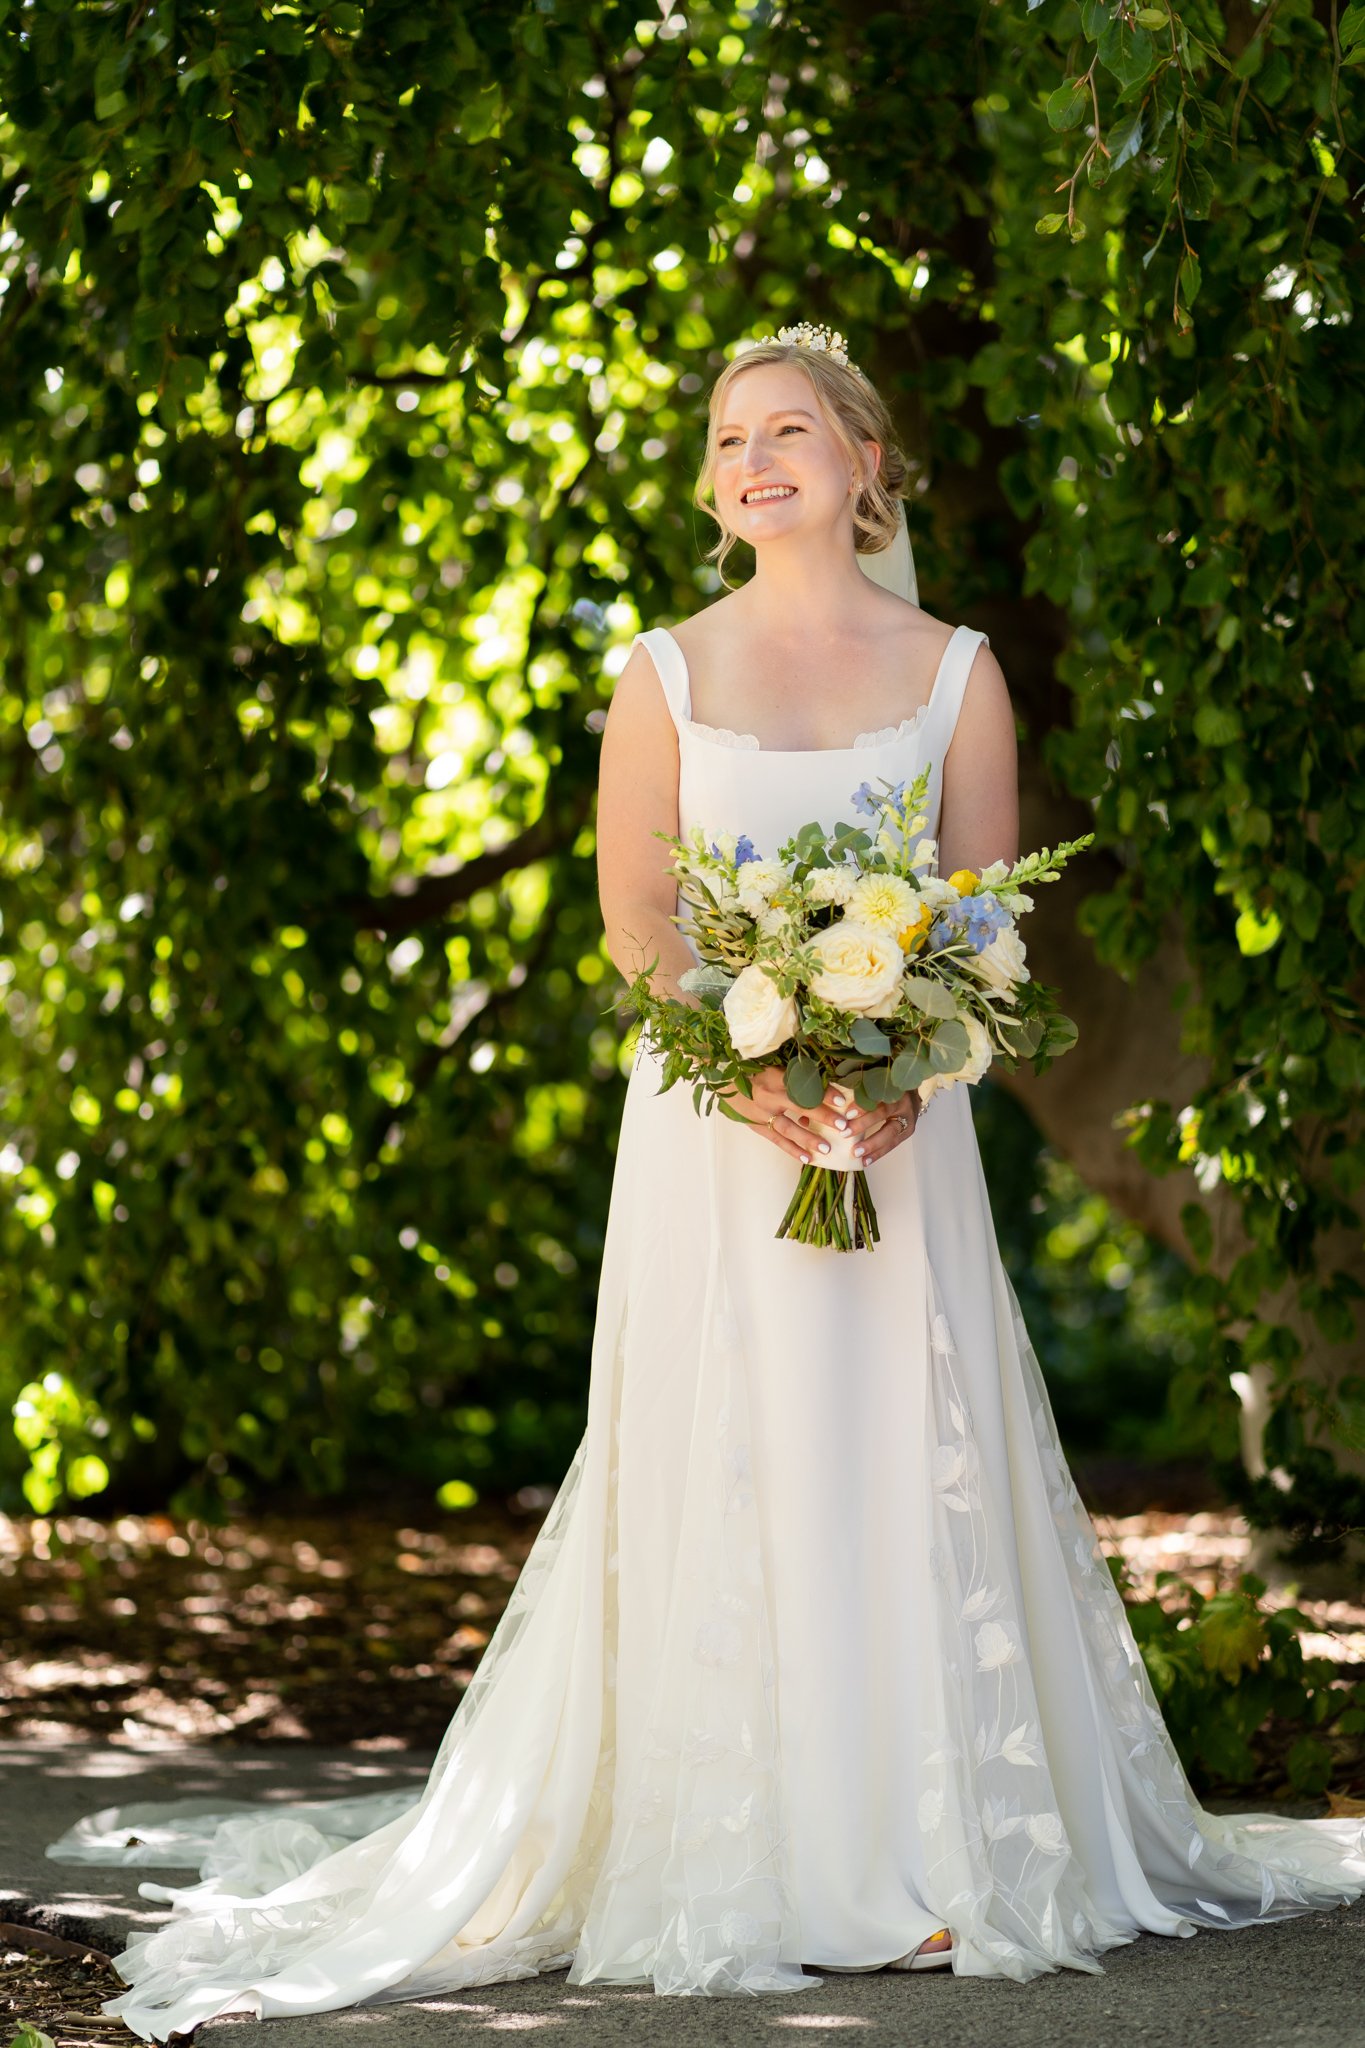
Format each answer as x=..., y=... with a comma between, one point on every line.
x=859, y=968
x=830, y=885
x=980, y=1053
x=760, y=1017
x=1001, y=966
x=758, y=882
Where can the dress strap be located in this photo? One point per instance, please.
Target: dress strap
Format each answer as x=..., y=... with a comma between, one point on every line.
x=950, y=686
x=671, y=665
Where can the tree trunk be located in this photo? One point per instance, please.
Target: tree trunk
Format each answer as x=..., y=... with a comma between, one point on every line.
x=1129, y=1052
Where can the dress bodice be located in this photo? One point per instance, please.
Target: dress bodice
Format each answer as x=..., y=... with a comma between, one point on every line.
x=727, y=782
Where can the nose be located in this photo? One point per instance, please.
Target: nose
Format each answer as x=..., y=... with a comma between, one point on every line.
x=757, y=460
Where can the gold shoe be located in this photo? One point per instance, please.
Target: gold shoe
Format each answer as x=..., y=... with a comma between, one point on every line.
x=935, y=1959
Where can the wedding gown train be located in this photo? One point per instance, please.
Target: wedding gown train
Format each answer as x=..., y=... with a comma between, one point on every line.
x=816, y=1650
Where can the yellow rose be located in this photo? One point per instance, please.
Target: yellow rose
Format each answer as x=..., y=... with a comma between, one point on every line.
x=912, y=935
x=964, y=880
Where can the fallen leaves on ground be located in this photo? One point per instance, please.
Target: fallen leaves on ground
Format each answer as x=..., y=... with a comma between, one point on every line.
x=52, y=1990
x=352, y=1631
x=315, y=1627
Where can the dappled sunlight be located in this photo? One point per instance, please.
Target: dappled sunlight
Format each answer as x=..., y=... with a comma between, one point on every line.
x=151, y=1629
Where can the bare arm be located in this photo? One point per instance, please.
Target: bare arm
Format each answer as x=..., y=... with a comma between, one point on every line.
x=979, y=816
x=637, y=796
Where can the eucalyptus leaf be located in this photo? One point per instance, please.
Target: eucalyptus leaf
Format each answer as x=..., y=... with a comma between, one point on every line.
x=805, y=1083
x=949, y=1047
x=929, y=996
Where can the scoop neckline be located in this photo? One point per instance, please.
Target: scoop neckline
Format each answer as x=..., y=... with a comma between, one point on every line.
x=915, y=718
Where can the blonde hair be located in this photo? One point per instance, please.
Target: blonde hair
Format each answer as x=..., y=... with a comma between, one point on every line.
x=853, y=409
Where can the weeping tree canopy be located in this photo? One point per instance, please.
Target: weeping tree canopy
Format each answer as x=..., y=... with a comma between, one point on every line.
x=355, y=367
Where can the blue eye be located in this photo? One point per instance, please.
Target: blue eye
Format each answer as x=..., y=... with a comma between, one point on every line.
x=790, y=428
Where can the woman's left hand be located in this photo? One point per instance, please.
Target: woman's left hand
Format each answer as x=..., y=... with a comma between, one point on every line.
x=888, y=1125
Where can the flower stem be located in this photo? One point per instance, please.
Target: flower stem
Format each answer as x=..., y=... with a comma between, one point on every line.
x=818, y=1212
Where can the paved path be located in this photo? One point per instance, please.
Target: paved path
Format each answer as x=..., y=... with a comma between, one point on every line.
x=1298, y=1984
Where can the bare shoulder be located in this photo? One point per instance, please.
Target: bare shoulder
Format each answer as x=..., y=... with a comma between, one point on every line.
x=985, y=678
x=985, y=722
x=710, y=626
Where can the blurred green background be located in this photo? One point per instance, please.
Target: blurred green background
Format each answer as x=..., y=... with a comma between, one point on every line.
x=355, y=372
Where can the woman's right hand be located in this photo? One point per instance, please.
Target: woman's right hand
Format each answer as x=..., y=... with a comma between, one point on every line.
x=796, y=1131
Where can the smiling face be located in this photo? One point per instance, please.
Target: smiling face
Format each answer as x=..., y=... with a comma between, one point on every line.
x=779, y=464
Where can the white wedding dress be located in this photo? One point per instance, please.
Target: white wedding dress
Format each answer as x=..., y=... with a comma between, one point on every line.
x=816, y=1651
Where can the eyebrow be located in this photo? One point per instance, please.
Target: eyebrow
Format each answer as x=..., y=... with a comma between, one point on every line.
x=729, y=426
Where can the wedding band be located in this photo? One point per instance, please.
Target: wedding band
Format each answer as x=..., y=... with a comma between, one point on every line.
x=773, y=1118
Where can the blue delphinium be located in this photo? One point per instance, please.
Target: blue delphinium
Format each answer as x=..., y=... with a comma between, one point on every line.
x=864, y=801
x=976, y=919
x=744, y=850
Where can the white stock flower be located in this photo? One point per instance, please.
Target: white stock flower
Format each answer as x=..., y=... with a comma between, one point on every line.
x=760, y=1017
x=937, y=892
x=758, y=882
x=924, y=853
x=727, y=844
x=859, y=968
x=888, y=902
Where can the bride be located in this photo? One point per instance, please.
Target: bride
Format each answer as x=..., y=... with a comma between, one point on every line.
x=816, y=1664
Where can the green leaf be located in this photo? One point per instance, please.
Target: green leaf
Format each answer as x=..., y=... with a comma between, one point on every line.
x=1049, y=223
x=1188, y=278
x=1231, y=1636
x=1125, y=140
x=930, y=996
x=867, y=1037
x=1024, y=1035
x=1198, y=1230
x=949, y=1046
x=1062, y=1034
x=909, y=1068
x=805, y=1082
x=1069, y=104
x=1216, y=725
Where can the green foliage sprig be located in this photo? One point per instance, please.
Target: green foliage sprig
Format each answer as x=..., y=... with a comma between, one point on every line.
x=1245, y=1707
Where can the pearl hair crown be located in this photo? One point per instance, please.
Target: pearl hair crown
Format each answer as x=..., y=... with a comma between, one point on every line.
x=823, y=340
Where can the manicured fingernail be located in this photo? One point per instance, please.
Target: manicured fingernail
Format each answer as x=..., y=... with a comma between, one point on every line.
x=841, y=1123
x=805, y=1158
x=824, y=1145
x=859, y=1151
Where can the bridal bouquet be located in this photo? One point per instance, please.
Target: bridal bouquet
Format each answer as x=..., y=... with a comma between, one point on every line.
x=848, y=958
